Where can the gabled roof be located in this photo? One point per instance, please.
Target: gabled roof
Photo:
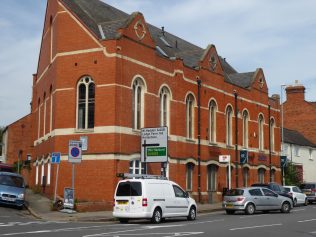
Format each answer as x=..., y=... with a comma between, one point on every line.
x=105, y=21
x=296, y=138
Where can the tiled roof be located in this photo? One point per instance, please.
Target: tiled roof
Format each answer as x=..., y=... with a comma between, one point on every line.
x=296, y=138
x=104, y=21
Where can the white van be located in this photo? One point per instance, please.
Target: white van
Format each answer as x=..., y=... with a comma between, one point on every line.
x=152, y=197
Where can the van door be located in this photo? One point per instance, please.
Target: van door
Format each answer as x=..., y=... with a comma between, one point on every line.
x=128, y=198
x=180, y=203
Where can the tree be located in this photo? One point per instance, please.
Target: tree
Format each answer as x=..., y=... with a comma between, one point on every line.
x=292, y=174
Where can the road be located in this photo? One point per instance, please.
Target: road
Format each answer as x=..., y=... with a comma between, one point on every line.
x=300, y=222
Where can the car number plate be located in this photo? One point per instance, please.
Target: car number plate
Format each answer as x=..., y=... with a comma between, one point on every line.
x=229, y=205
x=122, y=202
x=8, y=199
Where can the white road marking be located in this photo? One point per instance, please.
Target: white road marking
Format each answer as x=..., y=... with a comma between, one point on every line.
x=254, y=227
x=252, y=216
x=202, y=222
x=307, y=220
x=52, y=231
x=9, y=224
x=298, y=210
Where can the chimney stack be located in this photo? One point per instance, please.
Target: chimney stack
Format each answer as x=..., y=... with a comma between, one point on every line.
x=295, y=93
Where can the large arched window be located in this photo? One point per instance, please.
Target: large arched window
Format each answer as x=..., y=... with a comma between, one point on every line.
x=138, y=104
x=86, y=103
x=229, y=118
x=39, y=118
x=272, y=124
x=44, y=116
x=189, y=176
x=212, y=178
x=245, y=120
x=212, y=121
x=189, y=115
x=261, y=132
x=245, y=176
x=165, y=107
x=261, y=174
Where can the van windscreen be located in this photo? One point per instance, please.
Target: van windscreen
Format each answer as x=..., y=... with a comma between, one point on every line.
x=129, y=189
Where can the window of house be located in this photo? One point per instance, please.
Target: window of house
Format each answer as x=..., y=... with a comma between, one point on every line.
x=272, y=125
x=212, y=121
x=212, y=178
x=138, y=103
x=165, y=107
x=229, y=118
x=86, y=103
x=189, y=176
x=44, y=116
x=245, y=120
x=261, y=173
x=51, y=109
x=189, y=115
x=296, y=150
x=261, y=132
x=39, y=118
x=245, y=176
x=135, y=167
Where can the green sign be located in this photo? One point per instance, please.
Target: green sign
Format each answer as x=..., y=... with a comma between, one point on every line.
x=156, y=151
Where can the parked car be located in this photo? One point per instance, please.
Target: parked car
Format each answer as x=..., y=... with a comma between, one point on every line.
x=310, y=190
x=298, y=196
x=151, y=197
x=12, y=189
x=255, y=199
x=275, y=187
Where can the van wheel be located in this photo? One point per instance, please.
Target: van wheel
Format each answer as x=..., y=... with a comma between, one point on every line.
x=286, y=207
x=157, y=216
x=192, y=214
x=250, y=209
x=123, y=220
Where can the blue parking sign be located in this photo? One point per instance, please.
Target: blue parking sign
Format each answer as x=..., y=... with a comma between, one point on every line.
x=243, y=156
x=55, y=157
x=283, y=160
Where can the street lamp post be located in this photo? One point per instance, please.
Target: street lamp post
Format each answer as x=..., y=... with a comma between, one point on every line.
x=282, y=132
x=199, y=137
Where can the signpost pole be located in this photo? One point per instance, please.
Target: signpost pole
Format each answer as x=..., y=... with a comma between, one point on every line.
x=229, y=176
x=145, y=166
x=56, y=183
x=73, y=181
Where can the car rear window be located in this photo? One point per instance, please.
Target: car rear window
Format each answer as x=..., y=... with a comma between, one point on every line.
x=234, y=192
x=11, y=180
x=129, y=189
x=307, y=186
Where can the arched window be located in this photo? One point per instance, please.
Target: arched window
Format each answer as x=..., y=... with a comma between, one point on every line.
x=245, y=120
x=273, y=175
x=44, y=116
x=86, y=103
x=261, y=173
x=272, y=124
x=229, y=118
x=245, y=176
x=212, y=121
x=189, y=115
x=135, y=167
x=189, y=176
x=51, y=108
x=212, y=178
x=39, y=118
x=138, y=104
x=165, y=107
x=260, y=132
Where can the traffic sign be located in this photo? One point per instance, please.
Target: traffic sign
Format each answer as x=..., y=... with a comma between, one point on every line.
x=243, y=156
x=55, y=158
x=154, y=144
x=74, y=152
x=224, y=158
x=283, y=160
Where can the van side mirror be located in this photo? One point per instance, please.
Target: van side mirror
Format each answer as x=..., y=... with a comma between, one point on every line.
x=186, y=195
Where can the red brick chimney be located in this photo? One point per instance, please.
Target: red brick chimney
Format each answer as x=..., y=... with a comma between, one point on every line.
x=295, y=93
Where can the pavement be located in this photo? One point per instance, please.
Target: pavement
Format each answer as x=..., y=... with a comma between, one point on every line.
x=41, y=208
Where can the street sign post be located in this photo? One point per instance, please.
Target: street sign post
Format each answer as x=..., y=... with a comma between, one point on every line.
x=56, y=160
x=243, y=157
x=226, y=159
x=154, y=145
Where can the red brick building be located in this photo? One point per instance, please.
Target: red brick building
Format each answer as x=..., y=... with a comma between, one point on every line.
x=105, y=74
x=299, y=114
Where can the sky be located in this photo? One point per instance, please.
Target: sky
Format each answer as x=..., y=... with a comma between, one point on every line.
x=278, y=36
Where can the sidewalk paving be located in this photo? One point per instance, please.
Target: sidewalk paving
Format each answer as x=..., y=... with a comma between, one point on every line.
x=40, y=207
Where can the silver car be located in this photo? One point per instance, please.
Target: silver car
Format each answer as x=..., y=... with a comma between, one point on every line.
x=255, y=199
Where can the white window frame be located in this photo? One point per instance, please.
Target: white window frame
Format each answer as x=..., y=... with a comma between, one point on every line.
x=189, y=105
x=212, y=121
x=229, y=129
x=261, y=175
x=48, y=173
x=245, y=129
x=138, y=88
x=272, y=136
x=189, y=176
x=261, y=132
x=165, y=107
x=36, y=175
x=212, y=172
x=42, y=172
x=245, y=176
x=133, y=167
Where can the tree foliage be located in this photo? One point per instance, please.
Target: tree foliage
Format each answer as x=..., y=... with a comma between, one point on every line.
x=292, y=174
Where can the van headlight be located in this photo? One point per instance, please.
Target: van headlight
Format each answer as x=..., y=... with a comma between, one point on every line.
x=21, y=196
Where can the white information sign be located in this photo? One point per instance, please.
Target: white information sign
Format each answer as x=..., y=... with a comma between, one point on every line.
x=75, y=153
x=154, y=144
x=224, y=158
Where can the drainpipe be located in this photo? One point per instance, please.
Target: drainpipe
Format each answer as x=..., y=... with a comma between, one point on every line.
x=270, y=152
x=199, y=137
x=236, y=137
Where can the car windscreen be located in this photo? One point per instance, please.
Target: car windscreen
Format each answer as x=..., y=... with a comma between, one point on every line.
x=287, y=189
x=11, y=180
x=129, y=189
x=234, y=192
x=307, y=186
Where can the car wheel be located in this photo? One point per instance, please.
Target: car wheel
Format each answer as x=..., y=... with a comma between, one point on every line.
x=123, y=220
x=286, y=207
x=310, y=202
x=305, y=202
x=230, y=212
x=157, y=216
x=250, y=209
x=295, y=202
x=192, y=214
